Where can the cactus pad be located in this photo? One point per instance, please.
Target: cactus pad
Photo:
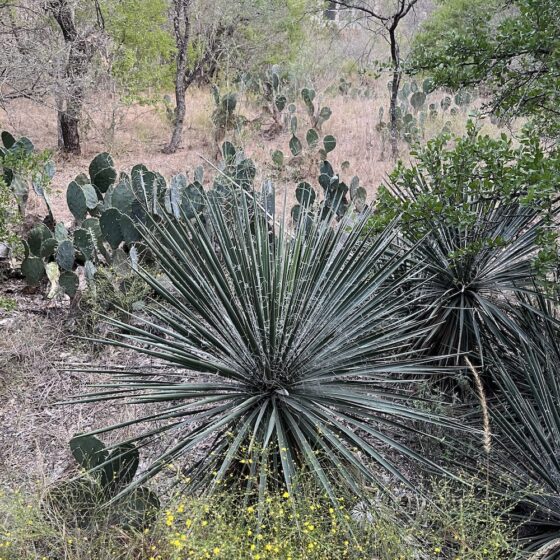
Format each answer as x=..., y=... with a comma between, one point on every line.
x=305, y=194
x=76, y=200
x=33, y=270
x=111, y=227
x=36, y=237
x=69, y=282
x=65, y=255
x=102, y=172
x=48, y=248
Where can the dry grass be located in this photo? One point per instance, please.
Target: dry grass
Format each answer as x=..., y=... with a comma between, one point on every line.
x=141, y=131
x=37, y=346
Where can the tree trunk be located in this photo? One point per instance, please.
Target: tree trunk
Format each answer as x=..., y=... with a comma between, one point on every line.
x=79, y=57
x=182, y=29
x=395, y=84
x=70, y=133
x=180, y=109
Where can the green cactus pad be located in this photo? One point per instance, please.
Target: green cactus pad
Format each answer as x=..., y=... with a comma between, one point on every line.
x=76, y=200
x=23, y=145
x=60, y=232
x=92, y=225
x=293, y=125
x=129, y=230
x=308, y=95
x=92, y=200
x=82, y=179
x=85, y=241
x=245, y=172
x=7, y=139
x=102, y=172
x=325, y=114
x=69, y=282
x=65, y=254
x=36, y=237
x=428, y=86
x=138, y=509
x=123, y=197
x=111, y=227
x=280, y=102
x=48, y=248
x=295, y=146
x=192, y=200
x=33, y=270
x=296, y=213
x=88, y=451
x=418, y=99
x=445, y=103
x=329, y=143
x=278, y=158
x=305, y=194
x=312, y=138
x=143, y=184
x=229, y=102
x=121, y=468
x=229, y=152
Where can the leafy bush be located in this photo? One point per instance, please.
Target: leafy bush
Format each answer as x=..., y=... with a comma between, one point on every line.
x=483, y=214
x=288, y=351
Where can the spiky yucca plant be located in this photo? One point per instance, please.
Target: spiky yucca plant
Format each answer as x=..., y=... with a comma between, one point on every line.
x=289, y=350
x=528, y=422
x=485, y=211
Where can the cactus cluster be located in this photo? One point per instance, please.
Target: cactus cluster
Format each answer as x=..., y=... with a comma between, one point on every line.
x=56, y=253
x=108, y=473
x=348, y=89
x=224, y=117
x=275, y=101
x=415, y=110
x=317, y=115
x=21, y=167
x=338, y=197
x=313, y=143
x=109, y=210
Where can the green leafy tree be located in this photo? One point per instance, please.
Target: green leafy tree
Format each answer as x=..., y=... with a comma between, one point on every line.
x=511, y=49
x=143, y=47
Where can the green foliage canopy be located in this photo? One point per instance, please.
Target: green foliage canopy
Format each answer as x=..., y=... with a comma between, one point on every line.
x=143, y=45
x=513, y=51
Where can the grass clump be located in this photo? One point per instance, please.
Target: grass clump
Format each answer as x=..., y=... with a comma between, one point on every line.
x=458, y=523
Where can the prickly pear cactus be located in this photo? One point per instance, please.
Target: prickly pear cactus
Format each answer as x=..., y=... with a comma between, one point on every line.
x=106, y=473
x=102, y=172
x=65, y=254
x=110, y=225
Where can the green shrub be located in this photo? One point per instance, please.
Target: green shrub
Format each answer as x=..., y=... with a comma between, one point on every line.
x=482, y=213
